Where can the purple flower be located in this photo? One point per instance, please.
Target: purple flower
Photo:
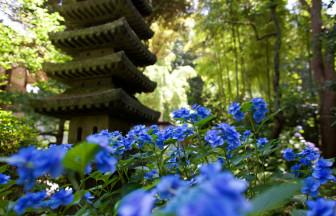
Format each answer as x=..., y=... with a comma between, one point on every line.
x=137, y=203
x=4, y=179
x=235, y=111
x=321, y=207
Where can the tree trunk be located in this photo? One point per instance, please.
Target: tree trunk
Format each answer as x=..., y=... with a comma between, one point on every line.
x=278, y=124
x=324, y=71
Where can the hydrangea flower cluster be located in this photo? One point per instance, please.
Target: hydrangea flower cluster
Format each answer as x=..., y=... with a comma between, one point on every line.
x=321, y=207
x=319, y=169
x=207, y=196
x=223, y=134
x=303, y=159
x=32, y=163
x=193, y=115
x=41, y=200
x=259, y=109
x=235, y=111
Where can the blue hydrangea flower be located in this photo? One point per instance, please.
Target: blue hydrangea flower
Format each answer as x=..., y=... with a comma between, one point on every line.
x=29, y=200
x=112, y=142
x=296, y=169
x=88, y=197
x=246, y=135
x=321, y=207
x=207, y=171
x=137, y=203
x=261, y=142
x=4, y=179
x=311, y=186
x=180, y=133
x=32, y=163
x=308, y=156
x=169, y=186
x=323, y=172
x=60, y=198
x=151, y=174
x=213, y=138
x=50, y=161
x=259, y=109
x=182, y=113
x=139, y=135
x=288, y=154
x=172, y=162
x=221, y=195
x=235, y=111
x=105, y=162
x=224, y=133
x=199, y=113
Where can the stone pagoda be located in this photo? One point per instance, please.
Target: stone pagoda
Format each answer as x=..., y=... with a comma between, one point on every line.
x=106, y=41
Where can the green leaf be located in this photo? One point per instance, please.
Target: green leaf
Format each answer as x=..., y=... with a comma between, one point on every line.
x=275, y=197
x=204, y=121
x=246, y=107
x=78, y=157
x=299, y=212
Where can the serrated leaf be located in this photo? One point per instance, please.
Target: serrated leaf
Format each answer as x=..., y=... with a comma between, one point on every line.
x=79, y=156
x=274, y=198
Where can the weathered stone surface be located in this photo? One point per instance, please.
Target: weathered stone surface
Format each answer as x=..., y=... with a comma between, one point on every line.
x=104, y=37
x=92, y=12
x=117, y=35
x=113, y=102
x=116, y=65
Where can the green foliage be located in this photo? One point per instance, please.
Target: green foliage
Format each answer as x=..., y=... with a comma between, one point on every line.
x=15, y=132
x=25, y=41
x=78, y=157
x=274, y=197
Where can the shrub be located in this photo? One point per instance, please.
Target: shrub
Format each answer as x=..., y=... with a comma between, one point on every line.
x=192, y=168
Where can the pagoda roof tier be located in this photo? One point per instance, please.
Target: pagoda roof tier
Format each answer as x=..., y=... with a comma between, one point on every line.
x=117, y=35
x=116, y=65
x=114, y=102
x=93, y=12
x=143, y=6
